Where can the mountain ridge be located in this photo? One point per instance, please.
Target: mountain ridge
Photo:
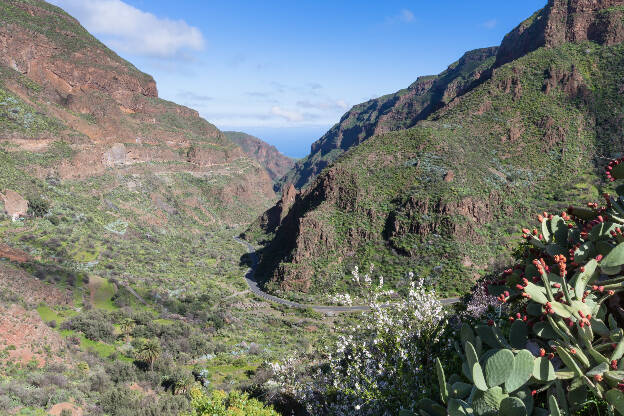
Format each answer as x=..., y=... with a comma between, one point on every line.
x=276, y=163
x=59, y=83
x=564, y=21
x=413, y=200
x=391, y=112
x=558, y=22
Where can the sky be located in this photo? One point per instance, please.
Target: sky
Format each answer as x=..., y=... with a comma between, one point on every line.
x=286, y=71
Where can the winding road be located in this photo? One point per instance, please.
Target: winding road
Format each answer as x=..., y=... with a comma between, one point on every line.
x=250, y=278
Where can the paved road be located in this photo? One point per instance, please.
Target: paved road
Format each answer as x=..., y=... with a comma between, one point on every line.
x=250, y=277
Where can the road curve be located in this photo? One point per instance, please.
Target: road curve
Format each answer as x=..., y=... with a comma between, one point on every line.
x=250, y=278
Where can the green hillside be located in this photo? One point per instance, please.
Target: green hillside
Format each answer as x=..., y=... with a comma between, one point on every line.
x=391, y=112
x=439, y=198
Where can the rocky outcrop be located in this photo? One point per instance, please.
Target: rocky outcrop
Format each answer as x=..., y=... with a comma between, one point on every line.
x=424, y=217
x=15, y=206
x=564, y=21
x=275, y=163
x=571, y=82
x=273, y=217
x=116, y=155
x=65, y=85
x=392, y=112
x=300, y=235
x=50, y=55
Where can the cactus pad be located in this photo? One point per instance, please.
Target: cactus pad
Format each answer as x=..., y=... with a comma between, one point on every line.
x=522, y=371
x=543, y=369
x=518, y=335
x=512, y=406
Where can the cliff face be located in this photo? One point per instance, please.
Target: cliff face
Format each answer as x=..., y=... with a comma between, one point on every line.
x=397, y=111
x=265, y=226
x=275, y=163
x=446, y=197
x=50, y=48
x=60, y=84
x=561, y=21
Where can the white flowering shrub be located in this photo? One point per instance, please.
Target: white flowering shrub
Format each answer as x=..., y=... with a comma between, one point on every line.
x=382, y=365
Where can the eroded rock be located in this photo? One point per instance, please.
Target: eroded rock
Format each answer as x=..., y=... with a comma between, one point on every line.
x=15, y=206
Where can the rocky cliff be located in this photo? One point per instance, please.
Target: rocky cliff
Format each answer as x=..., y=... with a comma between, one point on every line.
x=58, y=84
x=397, y=111
x=445, y=197
x=275, y=163
x=561, y=21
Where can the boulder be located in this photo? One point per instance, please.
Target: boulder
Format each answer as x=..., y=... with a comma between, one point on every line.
x=15, y=206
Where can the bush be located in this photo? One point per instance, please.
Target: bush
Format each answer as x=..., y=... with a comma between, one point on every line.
x=5, y=403
x=121, y=371
x=38, y=207
x=49, y=379
x=125, y=402
x=26, y=394
x=100, y=382
x=94, y=324
x=234, y=403
x=380, y=365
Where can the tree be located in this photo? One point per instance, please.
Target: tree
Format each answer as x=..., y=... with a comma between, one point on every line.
x=179, y=382
x=126, y=326
x=149, y=352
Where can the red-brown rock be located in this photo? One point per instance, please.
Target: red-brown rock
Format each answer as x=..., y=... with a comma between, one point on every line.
x=564, y=21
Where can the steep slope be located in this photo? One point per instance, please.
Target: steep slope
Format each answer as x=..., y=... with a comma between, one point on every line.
x=391, y=112
x=275, y=163
x=564, y=21
x=444, y=197
x=59, y=84
x=122, y=211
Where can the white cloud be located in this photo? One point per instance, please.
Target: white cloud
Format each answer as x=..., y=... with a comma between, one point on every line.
x=292, y=116
x=323, y=105
x=128, y=29
x=490, y=24
x=342, y=104
x=404, y=16
x=407, y=15
x=194, y=97
x=280, y=116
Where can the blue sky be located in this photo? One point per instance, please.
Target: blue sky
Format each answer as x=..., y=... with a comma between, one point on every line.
x=286, y=71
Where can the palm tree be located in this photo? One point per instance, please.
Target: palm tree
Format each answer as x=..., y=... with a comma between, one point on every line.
x=149, y=351
x=126, y=326
x=179, y=382
x=183, y=384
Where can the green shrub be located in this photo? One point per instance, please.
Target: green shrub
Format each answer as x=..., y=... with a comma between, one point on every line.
x=38, y=207
x=125, y=402
x=234, y=403
x=94, y=324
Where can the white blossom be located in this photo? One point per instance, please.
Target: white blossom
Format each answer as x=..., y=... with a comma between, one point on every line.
x=378, y=361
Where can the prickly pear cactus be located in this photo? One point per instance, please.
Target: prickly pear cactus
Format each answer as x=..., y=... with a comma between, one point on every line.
x=562, y=343
x=498, y=379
